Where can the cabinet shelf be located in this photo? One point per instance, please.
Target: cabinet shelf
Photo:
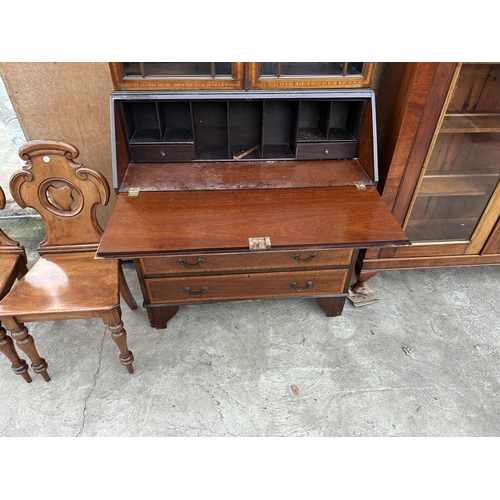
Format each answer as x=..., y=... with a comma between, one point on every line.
x=458, y=184
x=146, y=136
x=470, y=123
x=310, y=135
x=178, y=135
x=456, y=229
x=277, y=151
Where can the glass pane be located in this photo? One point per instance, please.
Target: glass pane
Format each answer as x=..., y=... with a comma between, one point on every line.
x=310, y=69
x=464, y=167
x=223, y=69
x=355, y=68
x=268, y=69
x=131, y=68
x=177, y=69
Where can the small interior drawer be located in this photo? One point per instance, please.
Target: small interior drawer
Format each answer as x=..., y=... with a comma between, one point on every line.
x=325, y=150
x=248, y=261
x=161, y=152
x=181, y=289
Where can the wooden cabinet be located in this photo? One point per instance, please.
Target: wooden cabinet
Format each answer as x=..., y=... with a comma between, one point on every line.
x=243, y=195
x=442, y=173
x=232, y=76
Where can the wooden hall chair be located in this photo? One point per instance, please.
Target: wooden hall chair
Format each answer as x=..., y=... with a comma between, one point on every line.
x=12, y=266
x=66, y=282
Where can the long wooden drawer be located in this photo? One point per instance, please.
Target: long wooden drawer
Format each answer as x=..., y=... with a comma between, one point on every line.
x=182, y=289
x=248, y=261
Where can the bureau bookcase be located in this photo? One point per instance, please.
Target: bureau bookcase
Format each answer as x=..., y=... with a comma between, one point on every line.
x=244, y=194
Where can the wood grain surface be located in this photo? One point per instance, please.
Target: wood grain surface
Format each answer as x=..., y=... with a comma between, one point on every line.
x=242, y=175
x=160, y=223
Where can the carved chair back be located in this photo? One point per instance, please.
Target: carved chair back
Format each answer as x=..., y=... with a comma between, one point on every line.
x=66, y=195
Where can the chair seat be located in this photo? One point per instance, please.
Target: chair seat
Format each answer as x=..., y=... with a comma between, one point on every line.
x=60, y=284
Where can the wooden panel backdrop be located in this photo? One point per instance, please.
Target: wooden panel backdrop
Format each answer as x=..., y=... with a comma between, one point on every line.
x=66, y=102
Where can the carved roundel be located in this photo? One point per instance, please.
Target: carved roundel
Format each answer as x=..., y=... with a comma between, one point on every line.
x=60, y=197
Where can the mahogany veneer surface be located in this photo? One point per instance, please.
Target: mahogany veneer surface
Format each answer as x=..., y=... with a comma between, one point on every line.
x=159, y=223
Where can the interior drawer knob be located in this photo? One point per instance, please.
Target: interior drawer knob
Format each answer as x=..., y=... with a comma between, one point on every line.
x=187, y=289
x=309, y=284
x=327, y=151
x=304, y=261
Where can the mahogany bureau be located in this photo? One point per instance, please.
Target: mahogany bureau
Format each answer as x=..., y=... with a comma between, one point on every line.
x=245, y=195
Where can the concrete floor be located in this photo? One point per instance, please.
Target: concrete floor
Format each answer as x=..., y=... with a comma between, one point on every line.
x=228, y=369
x=423, y=361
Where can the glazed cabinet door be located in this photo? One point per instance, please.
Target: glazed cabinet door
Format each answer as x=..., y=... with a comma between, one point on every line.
x=289, y=75
x=457, y=201
x=177, y=75
x=230, y=76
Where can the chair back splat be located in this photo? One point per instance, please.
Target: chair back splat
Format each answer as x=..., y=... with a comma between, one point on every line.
x=65, y=194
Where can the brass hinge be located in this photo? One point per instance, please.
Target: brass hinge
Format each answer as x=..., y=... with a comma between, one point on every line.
x=360, y=184
x=259, y=243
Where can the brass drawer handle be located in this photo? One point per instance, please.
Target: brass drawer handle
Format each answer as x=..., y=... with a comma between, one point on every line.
x=183, y=262
x=204, y=289
x=309, y=284
x=305, y=261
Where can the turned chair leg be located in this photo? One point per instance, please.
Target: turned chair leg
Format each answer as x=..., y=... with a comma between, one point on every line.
x=112, y=318
x=125, y=290
x=19, y=366
x=26, y=343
